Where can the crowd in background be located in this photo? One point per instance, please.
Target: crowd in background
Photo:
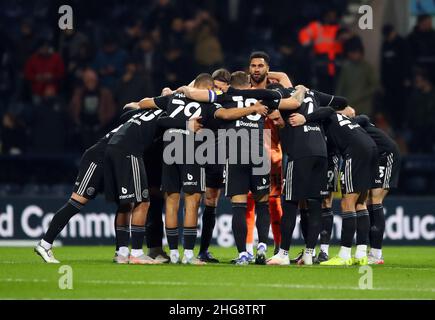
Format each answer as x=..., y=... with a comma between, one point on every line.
x=61, y=90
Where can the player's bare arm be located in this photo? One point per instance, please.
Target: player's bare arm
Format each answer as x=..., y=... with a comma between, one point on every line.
x=131, y=105
x=297, y=119
x=294, y=101
x=281, y=77
x=201, y=95
x=167, y=91
x=147, y=103
x=195, y=124
x=317, y=116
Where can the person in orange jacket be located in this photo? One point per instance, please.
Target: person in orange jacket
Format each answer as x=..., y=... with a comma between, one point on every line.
x=322, y=37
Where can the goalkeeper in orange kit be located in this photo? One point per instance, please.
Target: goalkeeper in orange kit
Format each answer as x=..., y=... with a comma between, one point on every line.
x=274, y=150
x=260, y=77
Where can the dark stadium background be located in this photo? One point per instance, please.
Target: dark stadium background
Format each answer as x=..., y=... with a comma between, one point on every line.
x=133, y=49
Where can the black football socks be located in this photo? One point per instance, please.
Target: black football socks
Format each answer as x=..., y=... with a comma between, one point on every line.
x=208, y=223
x=61, y=218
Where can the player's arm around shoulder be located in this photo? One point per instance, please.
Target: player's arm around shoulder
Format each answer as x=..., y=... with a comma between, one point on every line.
x=146, y=103
x=281, y=77
x=237, y=113
x=202, y=95
x=160, y=102
x=295, y=101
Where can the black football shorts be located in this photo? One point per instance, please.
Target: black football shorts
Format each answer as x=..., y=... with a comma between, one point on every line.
x=125, y=178
x=242, y=178
x=358, y=170
x=387, y=173
x=189, y=178
x=305, y=178
x=214, y=176
x=89, y=181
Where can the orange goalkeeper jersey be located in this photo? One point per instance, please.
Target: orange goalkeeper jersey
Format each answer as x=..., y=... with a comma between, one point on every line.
x=274, y=150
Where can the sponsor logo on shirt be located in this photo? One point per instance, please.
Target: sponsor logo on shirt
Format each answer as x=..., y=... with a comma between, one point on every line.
x=186, y=132
x=247, y=124
x=190, y=183
x=263, y=187
x=127, y=196
x=309, y=128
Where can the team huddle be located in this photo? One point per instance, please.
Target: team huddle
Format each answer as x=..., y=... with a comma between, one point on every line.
x=274, y=149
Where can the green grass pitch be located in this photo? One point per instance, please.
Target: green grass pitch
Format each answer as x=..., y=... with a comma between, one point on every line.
x=409, y=273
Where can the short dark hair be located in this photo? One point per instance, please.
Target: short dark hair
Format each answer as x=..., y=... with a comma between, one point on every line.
x=222, y=75
x=239, y=79
x=204, y=79
x=260, y=54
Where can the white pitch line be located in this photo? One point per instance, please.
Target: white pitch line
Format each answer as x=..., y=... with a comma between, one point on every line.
x=25, y=243
x=377, y=268
x=406, y=268
x=23, y=280
x=201, y=284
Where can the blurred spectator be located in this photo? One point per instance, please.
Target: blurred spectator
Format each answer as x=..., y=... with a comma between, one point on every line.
x=161, y=17
x=322, y=37
x=357, y=80
x=422, y=43
x=92, y=108
x=178, y=33
x=7, y=72
x=208, y=49
x=44, y=68
x=13, y=137
x=73, y=46
x=178, y=67
x=70, y=44
x=288, y=50
x=394, y=72
x=25, y=44
x=110, y=62
x=150, y=62
x=132, y=34
x=77, y=65
x=133, y=86
x=343, y=35
x=233, y=15
x=48, y=118
x=421, y=114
